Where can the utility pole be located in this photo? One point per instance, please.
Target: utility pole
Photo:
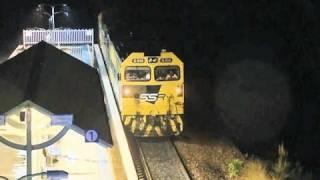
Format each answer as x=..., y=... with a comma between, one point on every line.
x=52, y=12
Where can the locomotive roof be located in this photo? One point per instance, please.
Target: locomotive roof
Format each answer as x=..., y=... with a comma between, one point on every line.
x=57, y=82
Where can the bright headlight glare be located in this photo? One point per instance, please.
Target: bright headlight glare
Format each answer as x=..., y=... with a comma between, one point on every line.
x=179, y=90
x=126, y=91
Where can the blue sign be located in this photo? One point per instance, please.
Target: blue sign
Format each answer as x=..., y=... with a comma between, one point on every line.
x=91, y=136
x=62, y=120
x=2, y=120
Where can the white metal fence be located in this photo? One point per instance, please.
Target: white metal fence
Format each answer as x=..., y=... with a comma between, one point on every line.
x=58, y=36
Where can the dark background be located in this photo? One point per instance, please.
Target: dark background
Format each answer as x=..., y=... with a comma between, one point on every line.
x=252, y=67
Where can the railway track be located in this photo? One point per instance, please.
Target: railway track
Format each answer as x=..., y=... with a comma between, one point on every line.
x=138, y=158
x=158, y=159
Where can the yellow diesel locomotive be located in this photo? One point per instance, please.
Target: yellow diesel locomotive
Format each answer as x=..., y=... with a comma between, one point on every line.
x=149, y=89
x=152, y=94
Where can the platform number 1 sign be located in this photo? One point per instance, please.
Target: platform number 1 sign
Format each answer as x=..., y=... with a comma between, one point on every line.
x=91, y=136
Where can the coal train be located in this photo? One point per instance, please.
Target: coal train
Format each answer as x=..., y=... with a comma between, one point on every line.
x=149, y=89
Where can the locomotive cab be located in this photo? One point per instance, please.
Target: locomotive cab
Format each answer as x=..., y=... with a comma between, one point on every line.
x=152, y=94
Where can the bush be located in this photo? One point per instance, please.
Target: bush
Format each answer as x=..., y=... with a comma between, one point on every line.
x=281, y=169
x=254, y=170
x=234, y=168
x=284, y=170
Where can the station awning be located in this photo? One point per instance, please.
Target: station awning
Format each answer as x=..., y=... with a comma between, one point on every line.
x=58, y=82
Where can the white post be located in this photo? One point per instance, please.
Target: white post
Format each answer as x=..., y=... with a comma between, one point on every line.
x=24, y=39
x=92, y=48
x=29, y=142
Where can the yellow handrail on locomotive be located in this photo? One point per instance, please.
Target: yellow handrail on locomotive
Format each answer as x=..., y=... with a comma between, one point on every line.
x=152, y=94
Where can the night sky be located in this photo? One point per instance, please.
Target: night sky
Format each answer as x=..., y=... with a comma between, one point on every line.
x=252, y=67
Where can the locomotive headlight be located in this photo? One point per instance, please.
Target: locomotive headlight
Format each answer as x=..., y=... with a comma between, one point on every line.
x=179, y=91
x=126, y=91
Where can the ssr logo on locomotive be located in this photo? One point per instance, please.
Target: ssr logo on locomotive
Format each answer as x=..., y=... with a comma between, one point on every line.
x=152, y=97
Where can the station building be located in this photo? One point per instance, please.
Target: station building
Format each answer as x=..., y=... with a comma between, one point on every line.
x=37, y=85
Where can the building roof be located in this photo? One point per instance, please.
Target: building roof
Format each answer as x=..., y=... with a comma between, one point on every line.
x=59, y=83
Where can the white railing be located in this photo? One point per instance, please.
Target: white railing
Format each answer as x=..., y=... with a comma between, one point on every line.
x=58, y=36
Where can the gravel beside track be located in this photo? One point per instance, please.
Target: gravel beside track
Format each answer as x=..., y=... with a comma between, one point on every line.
x=206, y=157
